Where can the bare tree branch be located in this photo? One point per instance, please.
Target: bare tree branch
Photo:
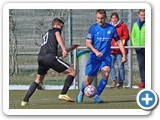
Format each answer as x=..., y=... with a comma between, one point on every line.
x=13, y=44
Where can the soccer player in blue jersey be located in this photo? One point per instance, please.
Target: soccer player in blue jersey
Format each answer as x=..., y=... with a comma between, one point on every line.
x=98, y=41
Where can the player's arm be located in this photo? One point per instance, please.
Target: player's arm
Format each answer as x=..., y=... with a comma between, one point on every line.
x=60, y=41
x=90, y=47
x=121, y=46
x=59, y=54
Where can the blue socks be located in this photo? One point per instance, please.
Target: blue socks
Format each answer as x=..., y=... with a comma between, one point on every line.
x=101, y=86
x=82, y=87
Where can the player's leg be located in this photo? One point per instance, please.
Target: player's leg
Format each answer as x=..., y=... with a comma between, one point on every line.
x=121, y=70
x=88, y=80
x=61, y=66
x=32, y=89
x=102, y=84
x=68, y=81
x=40, y=86
x=105, y=70
x=141, y=64
x=91, y=70
x=42, y=70
x=113, y=71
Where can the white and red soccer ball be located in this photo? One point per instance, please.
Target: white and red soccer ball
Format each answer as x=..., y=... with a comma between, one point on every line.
x=90, y=91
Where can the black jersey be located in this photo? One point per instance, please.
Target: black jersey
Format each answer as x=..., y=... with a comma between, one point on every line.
x=49, y=44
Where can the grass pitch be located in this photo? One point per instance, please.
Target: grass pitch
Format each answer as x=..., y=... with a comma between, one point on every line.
x=48, y=99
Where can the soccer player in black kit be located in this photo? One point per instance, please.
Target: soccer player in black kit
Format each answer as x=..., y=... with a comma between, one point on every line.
x=48, y=57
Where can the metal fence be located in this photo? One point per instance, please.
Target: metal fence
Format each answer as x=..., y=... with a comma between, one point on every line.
x=27, y=26
x=130, y=66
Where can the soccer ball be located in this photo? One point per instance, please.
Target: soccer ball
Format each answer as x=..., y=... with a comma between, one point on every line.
x=90, y=91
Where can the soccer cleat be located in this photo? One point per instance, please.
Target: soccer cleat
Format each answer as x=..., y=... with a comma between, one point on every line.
x=80, y=97
x=114, y=84
x=142, y=85
x=23, y=103
x=65, y=97
x=97, y=100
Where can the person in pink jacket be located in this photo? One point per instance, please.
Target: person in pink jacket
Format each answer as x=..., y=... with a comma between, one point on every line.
x=116, y=54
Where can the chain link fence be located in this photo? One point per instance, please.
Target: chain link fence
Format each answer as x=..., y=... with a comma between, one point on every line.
x=27, y=26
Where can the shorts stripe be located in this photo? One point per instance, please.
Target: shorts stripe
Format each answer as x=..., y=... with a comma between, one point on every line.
x=62, y=62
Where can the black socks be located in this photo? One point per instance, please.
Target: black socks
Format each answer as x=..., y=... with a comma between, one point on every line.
x=67, y=84
x=30, y=91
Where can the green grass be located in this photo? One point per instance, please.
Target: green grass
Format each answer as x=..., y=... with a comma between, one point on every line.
x=48, y=99
x=25, y=77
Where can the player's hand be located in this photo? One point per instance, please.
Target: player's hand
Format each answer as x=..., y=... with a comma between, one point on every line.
x=99, y=54
x=123, y=59
x=64, y=53
x=75, y=46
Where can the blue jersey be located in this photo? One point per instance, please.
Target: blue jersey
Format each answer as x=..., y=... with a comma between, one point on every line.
x=101, y=39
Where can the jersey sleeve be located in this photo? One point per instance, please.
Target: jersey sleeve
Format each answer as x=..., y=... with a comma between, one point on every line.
x=115, y=34
x=90, y=34
x=57, y=29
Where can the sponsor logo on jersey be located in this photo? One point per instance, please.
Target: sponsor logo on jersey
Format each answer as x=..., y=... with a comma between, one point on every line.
x=108, y=32
x=103, y=39
x=98, y=32
x=89, y=36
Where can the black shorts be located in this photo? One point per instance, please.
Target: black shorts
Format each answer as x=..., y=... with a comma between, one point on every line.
x=51, y=62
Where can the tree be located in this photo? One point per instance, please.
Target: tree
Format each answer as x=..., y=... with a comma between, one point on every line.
x=13, y=44
x=49, y=13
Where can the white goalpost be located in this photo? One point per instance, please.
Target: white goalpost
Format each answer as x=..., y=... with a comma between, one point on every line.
x=81, y=71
